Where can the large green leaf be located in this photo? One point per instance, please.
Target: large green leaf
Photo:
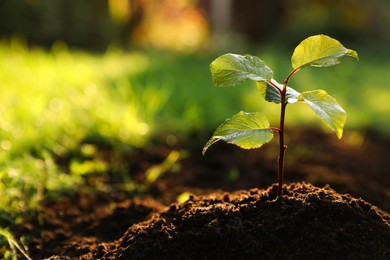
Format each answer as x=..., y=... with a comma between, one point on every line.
x=231, y=69
x=271, y=94
x=320, y=51
x=327, y=108
x=246, y=130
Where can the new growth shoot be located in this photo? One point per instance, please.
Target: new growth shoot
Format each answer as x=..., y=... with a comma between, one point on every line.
x=252, y=130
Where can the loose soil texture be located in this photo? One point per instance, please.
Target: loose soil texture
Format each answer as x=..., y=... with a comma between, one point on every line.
x=234, y=211
x=306, y=223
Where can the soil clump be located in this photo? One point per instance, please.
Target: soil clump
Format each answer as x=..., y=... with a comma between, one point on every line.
x=306, y=223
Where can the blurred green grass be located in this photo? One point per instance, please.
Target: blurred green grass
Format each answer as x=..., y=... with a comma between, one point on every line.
x=53, y=103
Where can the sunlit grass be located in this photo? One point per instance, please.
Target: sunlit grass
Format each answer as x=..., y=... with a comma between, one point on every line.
x=46, y=96
x=51, y=103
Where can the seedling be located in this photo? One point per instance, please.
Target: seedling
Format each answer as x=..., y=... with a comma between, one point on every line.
x=252, y=130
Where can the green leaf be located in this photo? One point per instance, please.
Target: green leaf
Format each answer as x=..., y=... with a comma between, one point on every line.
x=231, y=69
x=320, y=51
x=327, y=108
x=271, y=94
x=246, y=130
x=323, y=104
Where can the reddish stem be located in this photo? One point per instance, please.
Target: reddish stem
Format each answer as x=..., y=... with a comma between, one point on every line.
x=282, y=146
x=289, y=76
x=275, y=129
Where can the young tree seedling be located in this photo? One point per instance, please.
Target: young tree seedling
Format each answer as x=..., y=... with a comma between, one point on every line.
x=252, y=130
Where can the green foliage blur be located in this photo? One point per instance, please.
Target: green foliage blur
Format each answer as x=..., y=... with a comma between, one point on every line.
x=53, y=102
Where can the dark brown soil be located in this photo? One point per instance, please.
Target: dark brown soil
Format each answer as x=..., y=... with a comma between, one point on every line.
x=308, y=222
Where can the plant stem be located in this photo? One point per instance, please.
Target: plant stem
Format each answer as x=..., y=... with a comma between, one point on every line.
x=282, y=146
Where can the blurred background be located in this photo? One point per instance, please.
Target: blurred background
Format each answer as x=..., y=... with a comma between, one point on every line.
x=191, y=25
x=79, y=76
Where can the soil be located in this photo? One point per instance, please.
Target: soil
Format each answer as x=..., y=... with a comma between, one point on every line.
x=335, y=205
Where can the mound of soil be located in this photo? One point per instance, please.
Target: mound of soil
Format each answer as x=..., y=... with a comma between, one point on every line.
x=306, y=223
